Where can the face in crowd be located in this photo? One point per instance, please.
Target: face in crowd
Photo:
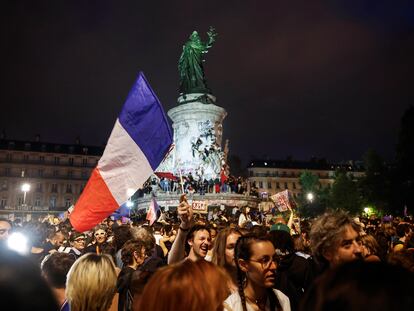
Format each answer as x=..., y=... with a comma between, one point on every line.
x=58, y=239
x=200, y=243
x=347, y=248
x=100, y=236
x=5, y=229
x=260, y=268
x=79, y=243
x=230, y=244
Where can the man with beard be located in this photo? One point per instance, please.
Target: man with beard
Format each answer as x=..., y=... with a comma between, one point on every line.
x=196, y=238
x=334, y=239
x=199, y=241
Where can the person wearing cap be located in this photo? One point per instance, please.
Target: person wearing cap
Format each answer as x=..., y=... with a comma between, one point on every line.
x=77, y=243
x=280, y=227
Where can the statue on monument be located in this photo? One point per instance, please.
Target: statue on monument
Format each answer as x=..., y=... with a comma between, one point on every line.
x=190, y=65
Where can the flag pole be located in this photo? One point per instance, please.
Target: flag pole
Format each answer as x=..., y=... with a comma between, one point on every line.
x=181, y=181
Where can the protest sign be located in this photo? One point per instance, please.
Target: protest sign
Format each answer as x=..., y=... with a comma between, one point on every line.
x=283, y=200
x=199, y=207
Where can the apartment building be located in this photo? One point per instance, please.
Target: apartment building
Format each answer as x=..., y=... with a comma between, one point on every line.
x=272, y=176
x=38, y=178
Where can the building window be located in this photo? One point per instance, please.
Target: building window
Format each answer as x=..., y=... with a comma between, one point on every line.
x=52, y=201
x=27, y=146
x=294, y=185
x=22, y=173
x=277, y=185
x=68, y=188
x=40, y=172
x=269, y=185
x=56, y=160
x=41, y=159
x=7, y=171
x=20, y=200
x=85, y=161
x=71, y=161
x=26, y=157
x=55, y=173
x=70, y=174
x=251, y=173
x=9, y=157
x=68, y=202
x=3, y=202
x=4, y=185
x=37, y=202
x=84, y=174
x=286, y=185
x=260, y=184
x=82, y=186
x=54, y=188
x=85, y=150
x=39, y=187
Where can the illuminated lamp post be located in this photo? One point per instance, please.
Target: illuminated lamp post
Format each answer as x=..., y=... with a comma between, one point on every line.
x=25, y=188
x=310, y=197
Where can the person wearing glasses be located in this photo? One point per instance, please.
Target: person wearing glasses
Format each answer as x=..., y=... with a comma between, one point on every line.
x=256, y=262
x=77, y=243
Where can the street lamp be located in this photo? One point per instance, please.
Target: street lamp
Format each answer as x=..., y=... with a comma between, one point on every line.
x=25, y=189
x=310, y=196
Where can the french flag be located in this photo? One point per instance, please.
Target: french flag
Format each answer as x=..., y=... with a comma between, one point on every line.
x=139, y=141
x=152, y=212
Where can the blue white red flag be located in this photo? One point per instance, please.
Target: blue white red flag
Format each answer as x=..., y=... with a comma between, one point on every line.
x=152, y=212
x=138, y=143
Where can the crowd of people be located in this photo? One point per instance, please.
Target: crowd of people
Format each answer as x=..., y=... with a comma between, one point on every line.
x=193, y=185
x=246, y=263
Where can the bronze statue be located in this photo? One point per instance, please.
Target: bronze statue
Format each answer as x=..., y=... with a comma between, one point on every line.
x=190, y=65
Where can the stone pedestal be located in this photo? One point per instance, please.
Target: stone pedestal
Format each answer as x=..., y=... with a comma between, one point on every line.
x=198, y=129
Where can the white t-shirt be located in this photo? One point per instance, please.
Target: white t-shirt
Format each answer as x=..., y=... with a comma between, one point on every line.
x=233, y=302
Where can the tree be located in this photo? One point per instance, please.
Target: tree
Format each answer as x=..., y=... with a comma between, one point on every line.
x=310, y=184
x=404, y=174
x=375, y=185
x=344, y=194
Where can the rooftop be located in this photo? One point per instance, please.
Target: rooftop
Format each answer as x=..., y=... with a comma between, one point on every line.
x=39, y=146
x=314, y=164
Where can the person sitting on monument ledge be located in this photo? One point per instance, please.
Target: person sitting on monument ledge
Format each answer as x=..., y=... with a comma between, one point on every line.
x=196, y=236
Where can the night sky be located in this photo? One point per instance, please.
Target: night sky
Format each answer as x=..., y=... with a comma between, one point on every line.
x=301, y=78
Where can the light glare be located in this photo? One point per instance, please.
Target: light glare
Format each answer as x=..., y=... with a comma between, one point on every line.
x=18, y=242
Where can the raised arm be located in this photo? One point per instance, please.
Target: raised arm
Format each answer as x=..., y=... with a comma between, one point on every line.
x=185, y=213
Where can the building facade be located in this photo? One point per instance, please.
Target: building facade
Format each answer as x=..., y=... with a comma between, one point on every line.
x=270, y=177
x=54, y=176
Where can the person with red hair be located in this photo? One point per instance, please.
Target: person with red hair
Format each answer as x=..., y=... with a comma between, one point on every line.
x=189, y=285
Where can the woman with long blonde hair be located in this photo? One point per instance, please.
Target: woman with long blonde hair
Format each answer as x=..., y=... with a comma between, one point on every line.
x=91, y=283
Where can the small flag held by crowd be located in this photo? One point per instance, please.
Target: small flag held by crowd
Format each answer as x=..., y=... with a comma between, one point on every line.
x=138, y=143
x=152, y=212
